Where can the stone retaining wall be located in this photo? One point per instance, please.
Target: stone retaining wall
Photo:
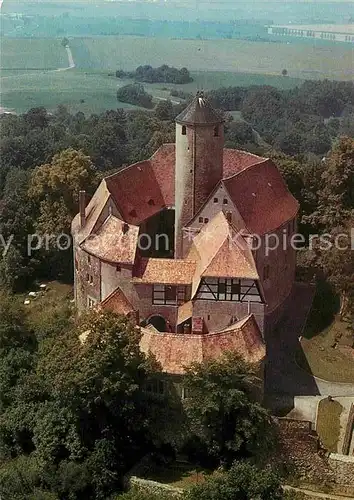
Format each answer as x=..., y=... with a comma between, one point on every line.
x=349, y=432
x=145, y=485
x=343, y=467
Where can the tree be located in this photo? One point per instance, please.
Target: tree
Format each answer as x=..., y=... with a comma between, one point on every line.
x=81, y=424
x=336, y=198
x=134, y=94
x=55, y=186
x=164, y=110
x=95, y=416
x=337, y=261
x=65, y=42
x=284, y=72
x=242, y=482
x=16, y=222
x=222, y=414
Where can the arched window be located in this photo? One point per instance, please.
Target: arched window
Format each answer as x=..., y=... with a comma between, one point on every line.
x=184, y=130
x=216, y=131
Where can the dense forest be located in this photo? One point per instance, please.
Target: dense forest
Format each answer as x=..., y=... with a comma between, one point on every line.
x=70, y=430
x=298, y=121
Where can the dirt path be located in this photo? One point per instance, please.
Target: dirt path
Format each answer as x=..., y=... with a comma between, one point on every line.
x=316, y=494
x=71, y=63
x=70, y=60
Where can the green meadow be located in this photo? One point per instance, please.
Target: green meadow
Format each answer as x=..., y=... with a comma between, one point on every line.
x=29, y=53
x=29, y=75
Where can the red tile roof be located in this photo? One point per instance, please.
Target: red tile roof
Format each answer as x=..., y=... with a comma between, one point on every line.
x=136, y=192
x=163, y=165
x=236, y=160
x=262, y=198
x=219, y=250
x=115, y=241
x=118, y=303
x=143, y=189
x=164, y=271
x=175, y=352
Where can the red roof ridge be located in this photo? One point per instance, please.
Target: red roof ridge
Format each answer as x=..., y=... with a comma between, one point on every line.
x=256, y=164
x=165, y=145
x=247, y=153
x=127, y=167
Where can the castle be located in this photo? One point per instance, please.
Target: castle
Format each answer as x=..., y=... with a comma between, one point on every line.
x=179, y=244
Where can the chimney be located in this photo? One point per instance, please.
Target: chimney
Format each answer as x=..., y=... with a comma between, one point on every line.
x=82, y=204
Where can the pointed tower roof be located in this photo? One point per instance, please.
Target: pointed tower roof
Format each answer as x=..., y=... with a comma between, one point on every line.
x=199, y=112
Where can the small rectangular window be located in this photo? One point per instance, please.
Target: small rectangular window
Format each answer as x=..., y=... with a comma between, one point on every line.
x=225, y=201
x=235, y=288
x=221, y=288
x=201, y=219
x=89, y=259
x=216, y=200
x=206, y=220
x=118, y=268
x=170, y=293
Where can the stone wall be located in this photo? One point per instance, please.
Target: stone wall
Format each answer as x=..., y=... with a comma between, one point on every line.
x=343, y=467
x=301, y=448
x=146, y=486
x=349, y=432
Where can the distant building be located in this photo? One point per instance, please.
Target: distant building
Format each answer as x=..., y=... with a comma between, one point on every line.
x=208, y=291
x=334, y=32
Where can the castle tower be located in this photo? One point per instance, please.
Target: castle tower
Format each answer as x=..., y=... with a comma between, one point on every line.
x=199, y=161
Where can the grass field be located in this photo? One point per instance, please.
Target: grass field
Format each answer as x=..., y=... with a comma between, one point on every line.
x=27, y=53
x=21, y=90
x=301, y=61
x=213, y=64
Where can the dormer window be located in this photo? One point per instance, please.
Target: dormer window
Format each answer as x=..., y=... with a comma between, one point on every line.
x=184, y=130
x=151, y=202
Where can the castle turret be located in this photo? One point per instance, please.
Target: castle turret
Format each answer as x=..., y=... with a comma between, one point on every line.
x=199, y=161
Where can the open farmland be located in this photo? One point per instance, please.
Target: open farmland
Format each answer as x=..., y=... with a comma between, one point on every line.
x=32, y=53
x=91, y=86
x=333, y=61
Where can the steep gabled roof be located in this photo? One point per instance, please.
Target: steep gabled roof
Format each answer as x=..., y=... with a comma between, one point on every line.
x=232, y=260
x=199, y=112
x=117, y=302
x=220, y=250
x=262, y=197
x=115, y=241
x=175, y=352
x=143, y=189
x=236, y=160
